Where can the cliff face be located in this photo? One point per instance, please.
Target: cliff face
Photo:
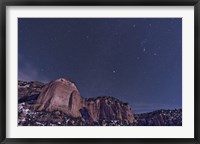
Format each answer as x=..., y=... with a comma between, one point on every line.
x=108, y=108
x=60, y=95
x=58, y=103
x=63, y=95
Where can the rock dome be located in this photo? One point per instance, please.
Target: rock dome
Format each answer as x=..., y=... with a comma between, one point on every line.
x=60, y=95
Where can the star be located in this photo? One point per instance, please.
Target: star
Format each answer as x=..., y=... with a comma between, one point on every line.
x=134, y=26
x=87, y=36
x=114, y=71
x=150, y=25
x=144, y=49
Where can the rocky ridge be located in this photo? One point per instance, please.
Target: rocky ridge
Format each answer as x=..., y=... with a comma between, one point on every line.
x=26, y=89
x=27, y=116
x=62, y=95
x=160, y=118
x=59, y=103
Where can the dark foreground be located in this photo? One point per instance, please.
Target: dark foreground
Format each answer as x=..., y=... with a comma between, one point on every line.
x=29, y=117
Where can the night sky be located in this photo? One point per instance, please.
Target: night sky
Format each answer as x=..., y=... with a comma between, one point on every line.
x=137, y=60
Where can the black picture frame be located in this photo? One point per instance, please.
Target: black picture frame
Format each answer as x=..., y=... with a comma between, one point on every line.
x=5, y=3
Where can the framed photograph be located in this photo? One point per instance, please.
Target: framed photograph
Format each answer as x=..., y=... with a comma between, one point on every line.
x=99, y=71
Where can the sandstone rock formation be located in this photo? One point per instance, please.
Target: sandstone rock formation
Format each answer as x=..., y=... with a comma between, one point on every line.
x=108, y=108
x=60, y=95
x=28, y=117
x=63, y=95
x=59, y=103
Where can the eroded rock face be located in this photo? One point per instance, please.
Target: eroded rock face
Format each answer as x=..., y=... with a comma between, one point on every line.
x=63, y=95
x=60, y=95
x=108, y=108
